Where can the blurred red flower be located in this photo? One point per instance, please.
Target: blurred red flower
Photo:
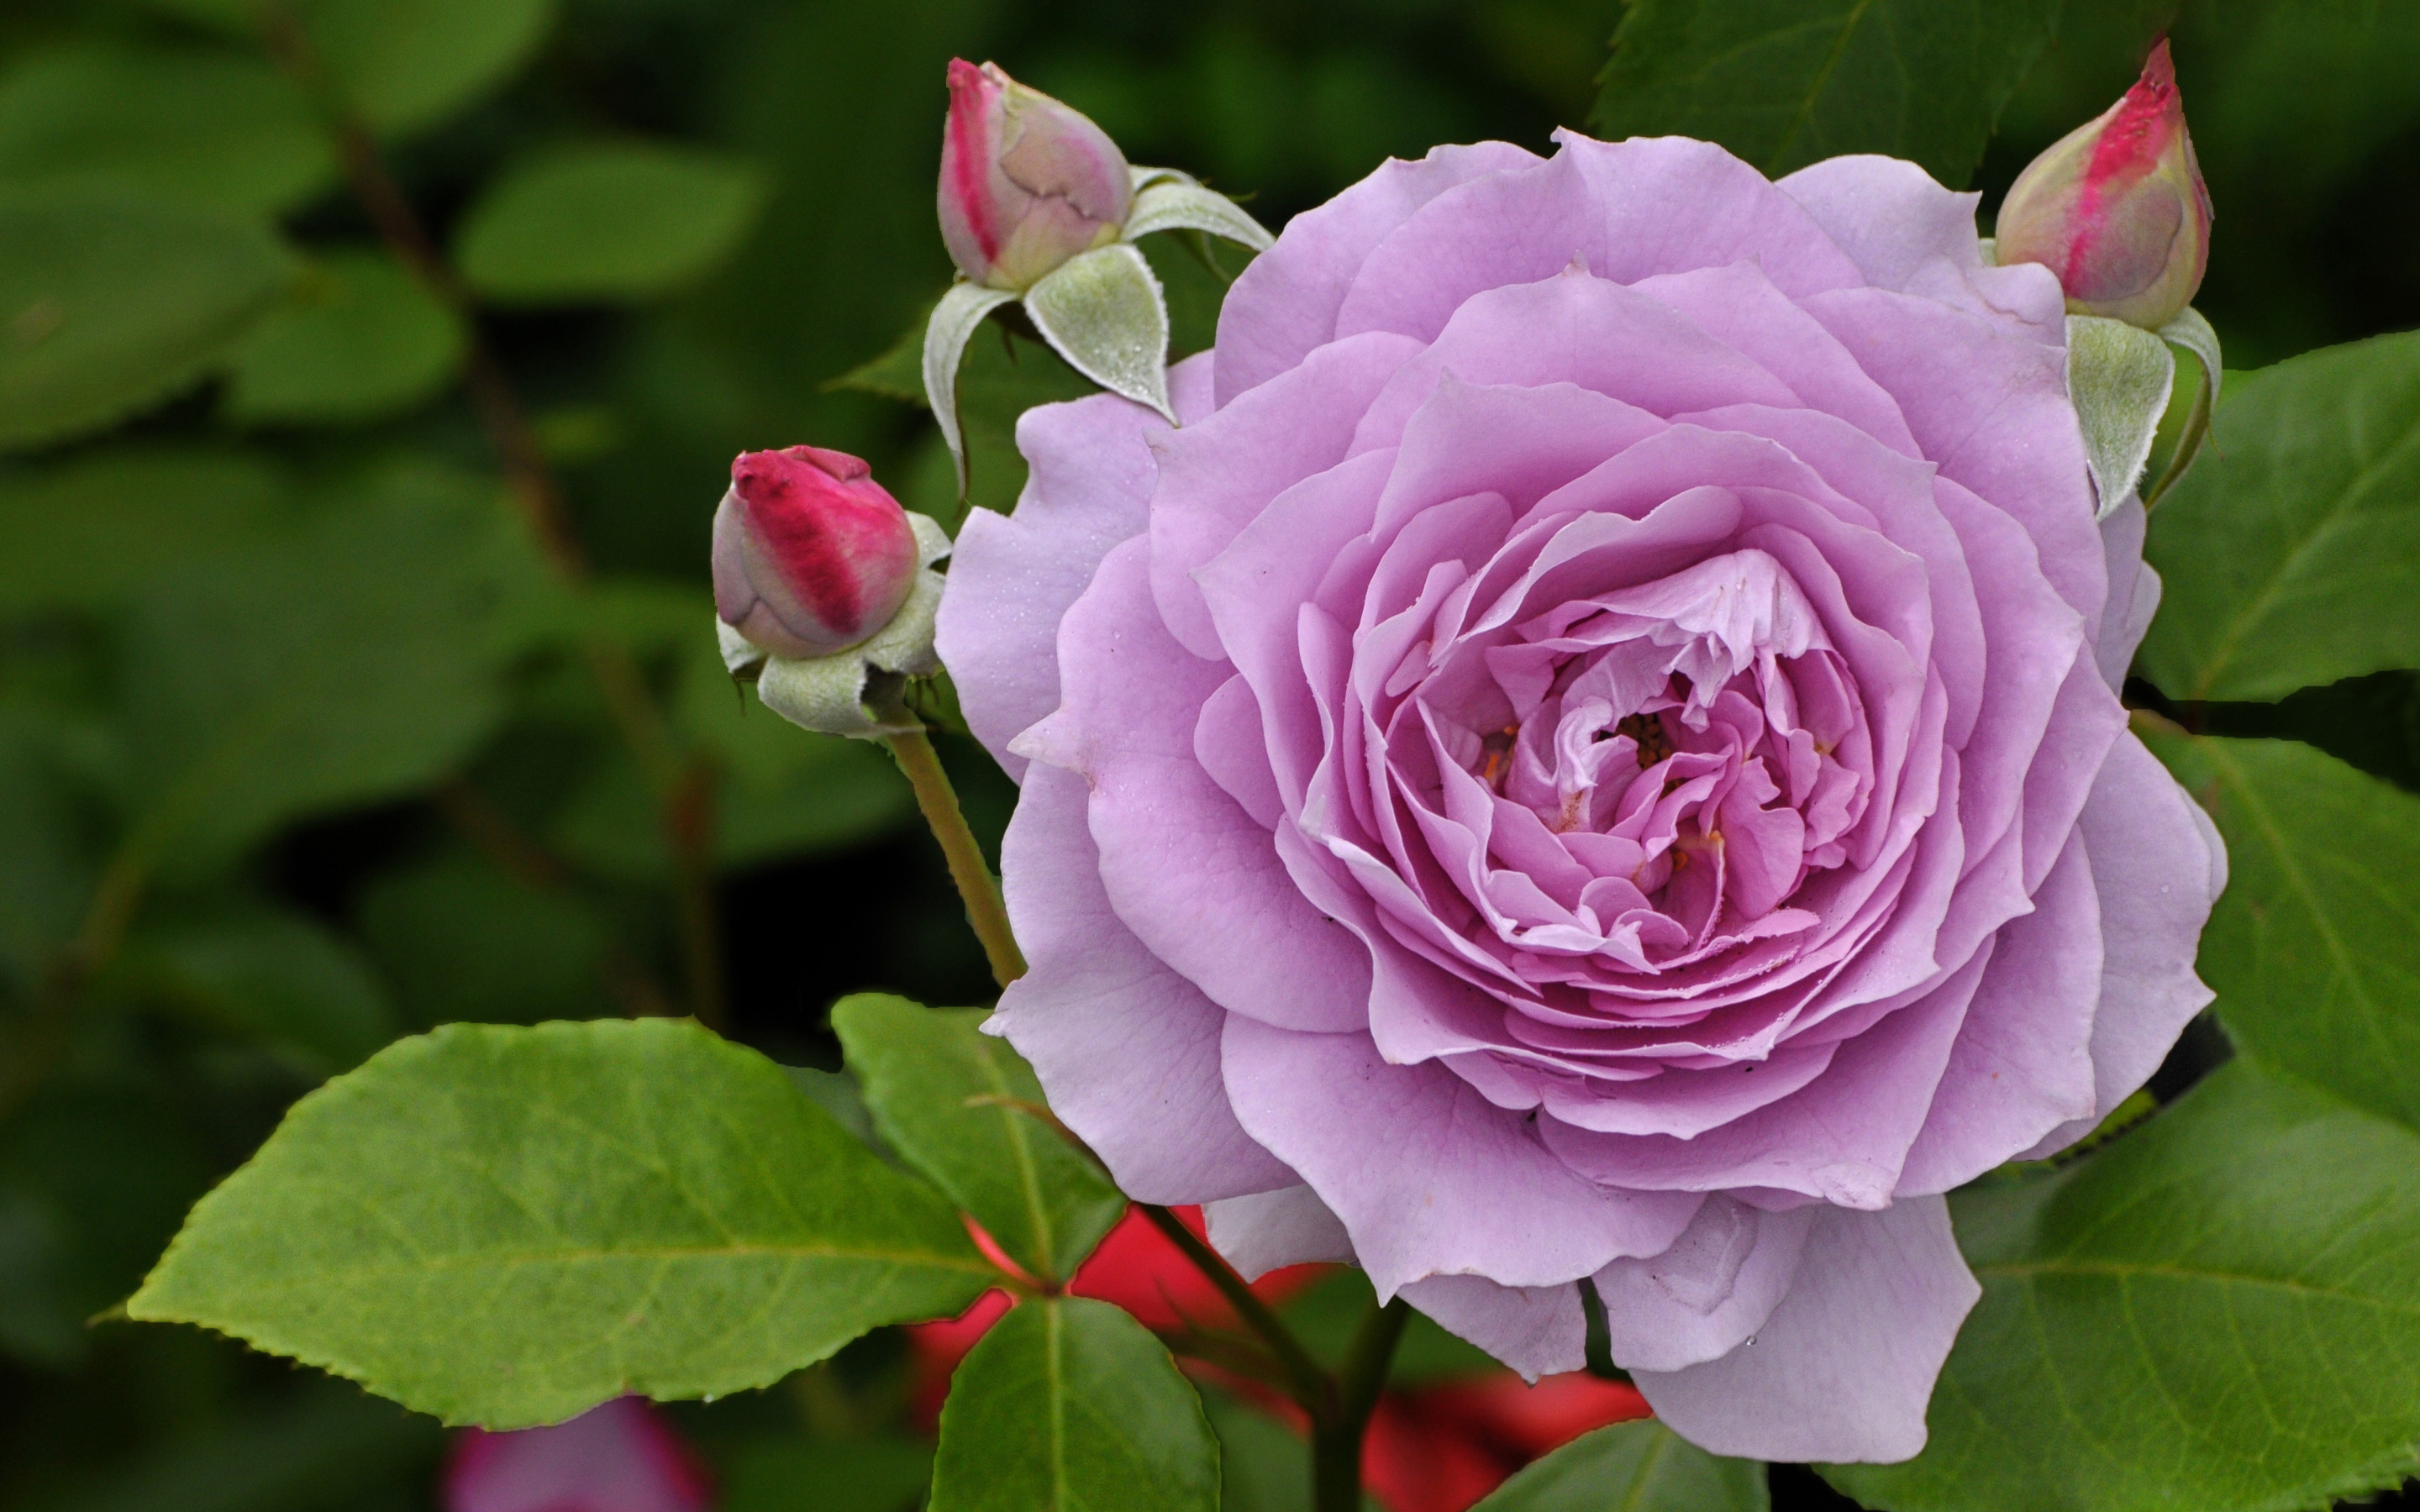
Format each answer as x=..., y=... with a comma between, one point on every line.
x=1438, y=1447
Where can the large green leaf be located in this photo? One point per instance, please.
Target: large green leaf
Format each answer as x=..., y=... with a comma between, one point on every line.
x=2314, y=949
x=1635, y=1467
x=2286, y=550
x=1071, y=1405
x=220, y=128
x=89, y=532
x=1786, y=82
x=359, y=339
x=350, y=661
x=606, y=222
x=406, y=64
x=945, y=1095
x=504, y=1225
x=2220, y=1310
x=108, y=305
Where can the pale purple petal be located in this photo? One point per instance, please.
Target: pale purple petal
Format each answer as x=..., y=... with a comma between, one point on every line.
x=1268, y=1230
x=1428, y=1176
x=1283, y=306
x=1127, y=1048
x=1186, y=868
x=1843, y=1369
x=1538, y=1330
x=1703, y=1297
x=2022, y=1063
x=1088, y=483
x=2158, y=865
x=2134, y=593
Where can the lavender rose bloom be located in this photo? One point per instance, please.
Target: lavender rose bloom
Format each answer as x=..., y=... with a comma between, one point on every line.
x=1594, y=752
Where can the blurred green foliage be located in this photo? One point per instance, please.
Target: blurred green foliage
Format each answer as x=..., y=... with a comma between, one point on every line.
x=325, y=716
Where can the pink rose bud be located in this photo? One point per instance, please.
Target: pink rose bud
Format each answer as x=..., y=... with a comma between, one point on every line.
x=618, y=1458
x=810, y=555
x=2117, y=208
x=1025, y=182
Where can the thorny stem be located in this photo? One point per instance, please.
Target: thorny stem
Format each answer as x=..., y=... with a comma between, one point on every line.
x=683, y=785
x=939, y=801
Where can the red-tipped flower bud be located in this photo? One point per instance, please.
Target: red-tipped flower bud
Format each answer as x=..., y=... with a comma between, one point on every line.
x=1025, y=182
x=2117, y=208
x=810, y=555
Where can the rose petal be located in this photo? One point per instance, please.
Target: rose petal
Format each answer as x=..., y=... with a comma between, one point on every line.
x=1127, y=1048
x=1843, y=1369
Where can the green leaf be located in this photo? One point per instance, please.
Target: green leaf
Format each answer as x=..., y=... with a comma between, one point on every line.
x=220, y=130
x=461, y=940
x=504, y=1227
x=92, y=531
x=2220, y=1310
x=945, y=1096
x=624, y=220
x=269, y=974
x=358, y=339
x=2314, y=949
x=352, y=661
x=406, y=64
x=1637, y=1467
x=2285, y=550
x=108, y=306
x=1071, y=1405
x=1786, y=82
x=1264, y=1466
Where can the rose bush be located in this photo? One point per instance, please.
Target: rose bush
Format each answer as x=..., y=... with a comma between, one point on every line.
x=1594, y=753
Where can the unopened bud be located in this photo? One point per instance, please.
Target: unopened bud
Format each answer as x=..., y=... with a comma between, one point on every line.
x=1025, y=182
x=2117, y=208
x=810, y=555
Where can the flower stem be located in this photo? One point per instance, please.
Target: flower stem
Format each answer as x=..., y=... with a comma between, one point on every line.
x=985, y=911
x=1336, y=1443
x=1312, y=1385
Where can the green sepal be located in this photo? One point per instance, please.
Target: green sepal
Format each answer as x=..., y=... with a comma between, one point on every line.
x=1103, y=311
x=1177, y=202
x=954, y=324
x=2118, y=377
x=2193, y=333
